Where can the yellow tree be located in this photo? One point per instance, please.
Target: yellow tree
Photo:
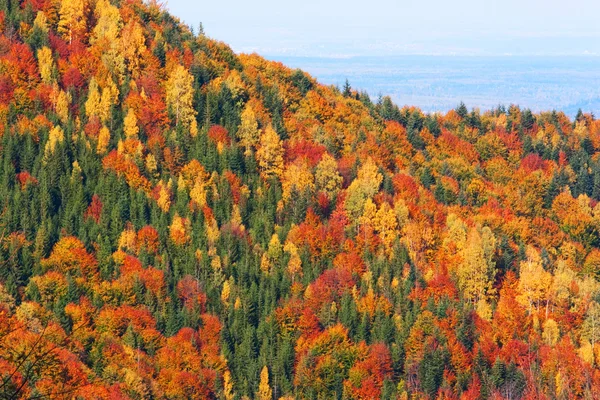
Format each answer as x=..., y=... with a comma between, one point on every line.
x=476, y=273
x=386, y=224
x=61, y=104
x=270, y=154
x=180, y=94
x=328, y=179
x=133, y=46
x=365, y=186
x=109, y=22
x=297, y=178
x=103, y=140
x=264, y=390
x=92, y=104
x=46, y=64
x=41, y=22
x=55, y=137
x=534, y=282
x=130, y=125
x=228, y=386
x=248, y=133
x=72, y=19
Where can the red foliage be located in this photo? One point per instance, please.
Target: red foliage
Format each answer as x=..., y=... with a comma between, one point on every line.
x=373, y=370
x=406, y=187
x=7, y=89
x=329, y=287
x=351, y=261
x=147, y=239
x=72, y=78
x=308, y=150
x=94, y=210
x=188, y=290
x=532, y=162
x=219, y=134
x=235, y=184
x=124, y=166
x=25, y=178
x=92, y=128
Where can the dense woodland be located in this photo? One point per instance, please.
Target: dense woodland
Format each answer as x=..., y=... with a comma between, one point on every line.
x=178, y=221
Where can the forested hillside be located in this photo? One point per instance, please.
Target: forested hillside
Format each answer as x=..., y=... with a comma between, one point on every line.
x=179, y=221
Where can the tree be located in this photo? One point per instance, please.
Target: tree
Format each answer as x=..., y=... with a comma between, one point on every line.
x=270, y=154
x=327, y=177
x=534, y=282
x=180, y=96
x=72, y=23
x=477, y=271
x=248, y=132
x=46, y=65
x=264, y=390
x=109, y=23
x=130, y=127
x=362, y=188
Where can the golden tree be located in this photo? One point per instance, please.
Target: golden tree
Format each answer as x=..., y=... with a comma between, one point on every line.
x=328, y=179
x=476, y=272
x=362, y=188
x=180, y=95
x=270, y=154
x=46, y=64
x=264, y=390
x=130, y=125
x=108, y=23
x=248, y=133
x=72, y=21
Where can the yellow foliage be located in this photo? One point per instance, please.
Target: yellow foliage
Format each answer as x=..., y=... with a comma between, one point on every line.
x=164, y=198
x=179, y=230
x=45, y=64
x=180, y=96
x=551, y=333
x=130, y=125
x=228, y=393
x=386, y=224
x=328, y=179
x=108, y=23
x=534, y=282
x=61, y=105
x=248, y=133
x=225, y=293
x=270, y=154
x=476, y=272
x=297, y=178
x=92, y=105
x=41, y=22
x=127, y=240
x=103, y=140
x=264, y=390
x=133, y=46
x=198, y=192
x=363, y=187
x=72, y=18
x=56, y=136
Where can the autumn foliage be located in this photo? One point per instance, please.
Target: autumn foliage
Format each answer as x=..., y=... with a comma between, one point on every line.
x=179, y=221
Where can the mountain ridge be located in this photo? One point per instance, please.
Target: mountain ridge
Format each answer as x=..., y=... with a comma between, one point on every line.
x=179, y=221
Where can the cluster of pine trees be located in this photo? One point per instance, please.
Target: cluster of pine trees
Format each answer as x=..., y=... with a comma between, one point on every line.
x=178, y=221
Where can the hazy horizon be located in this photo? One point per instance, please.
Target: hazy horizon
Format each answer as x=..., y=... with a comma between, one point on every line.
x=409, y=27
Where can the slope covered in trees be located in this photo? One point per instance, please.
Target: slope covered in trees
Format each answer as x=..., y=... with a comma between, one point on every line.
x=178, y=221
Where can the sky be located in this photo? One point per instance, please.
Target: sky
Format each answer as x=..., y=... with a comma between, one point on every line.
x=342, y=28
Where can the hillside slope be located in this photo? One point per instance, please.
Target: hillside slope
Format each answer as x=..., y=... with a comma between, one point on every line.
x=178, y=221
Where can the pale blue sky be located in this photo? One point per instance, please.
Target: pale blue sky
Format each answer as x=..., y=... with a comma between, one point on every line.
x=385, y=27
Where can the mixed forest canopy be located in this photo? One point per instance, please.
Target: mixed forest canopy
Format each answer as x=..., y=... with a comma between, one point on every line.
x=178, y=221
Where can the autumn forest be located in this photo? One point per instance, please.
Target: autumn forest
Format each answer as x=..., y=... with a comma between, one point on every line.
x=178, y=221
